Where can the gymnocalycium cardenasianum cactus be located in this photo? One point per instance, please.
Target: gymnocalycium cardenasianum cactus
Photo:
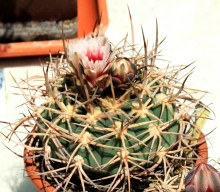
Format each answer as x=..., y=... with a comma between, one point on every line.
x=111, y=120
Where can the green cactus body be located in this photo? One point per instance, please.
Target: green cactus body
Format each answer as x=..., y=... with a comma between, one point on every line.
x=118, y=129
x=111, y=121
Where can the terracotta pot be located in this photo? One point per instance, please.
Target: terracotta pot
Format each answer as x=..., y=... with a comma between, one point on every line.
x=45, y=186
x=202, y=150
x=88, y=13
x=38, y=181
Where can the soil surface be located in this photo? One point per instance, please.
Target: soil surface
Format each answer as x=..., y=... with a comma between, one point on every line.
x=37, y=31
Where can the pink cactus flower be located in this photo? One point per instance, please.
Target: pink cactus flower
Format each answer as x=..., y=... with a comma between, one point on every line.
x=96, y=59
x=203, y=178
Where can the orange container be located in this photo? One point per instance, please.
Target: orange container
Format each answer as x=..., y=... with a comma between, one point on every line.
x=89, y=13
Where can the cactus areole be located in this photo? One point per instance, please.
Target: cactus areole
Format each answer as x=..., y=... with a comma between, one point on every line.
x=111, y=118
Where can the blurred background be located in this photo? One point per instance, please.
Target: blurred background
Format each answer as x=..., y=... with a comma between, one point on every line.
x=192, y=31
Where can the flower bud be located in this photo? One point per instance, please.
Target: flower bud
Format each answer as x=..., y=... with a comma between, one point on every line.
x=123, y=72
x=203, y=178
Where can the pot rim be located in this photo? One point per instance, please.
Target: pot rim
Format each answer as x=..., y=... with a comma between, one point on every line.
x=96, y=10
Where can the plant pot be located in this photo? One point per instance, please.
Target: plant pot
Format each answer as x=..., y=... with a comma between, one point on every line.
x=89, y=13
x=38, y=181
x=202, y=150
x=44, y=186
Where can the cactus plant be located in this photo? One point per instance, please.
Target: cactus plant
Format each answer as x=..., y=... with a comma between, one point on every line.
x=111, y=120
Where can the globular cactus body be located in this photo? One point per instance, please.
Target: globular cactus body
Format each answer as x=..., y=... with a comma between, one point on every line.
x=109, y=120
x=118, y=129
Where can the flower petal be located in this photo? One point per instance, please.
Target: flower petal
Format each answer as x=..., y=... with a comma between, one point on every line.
x=95, y=56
